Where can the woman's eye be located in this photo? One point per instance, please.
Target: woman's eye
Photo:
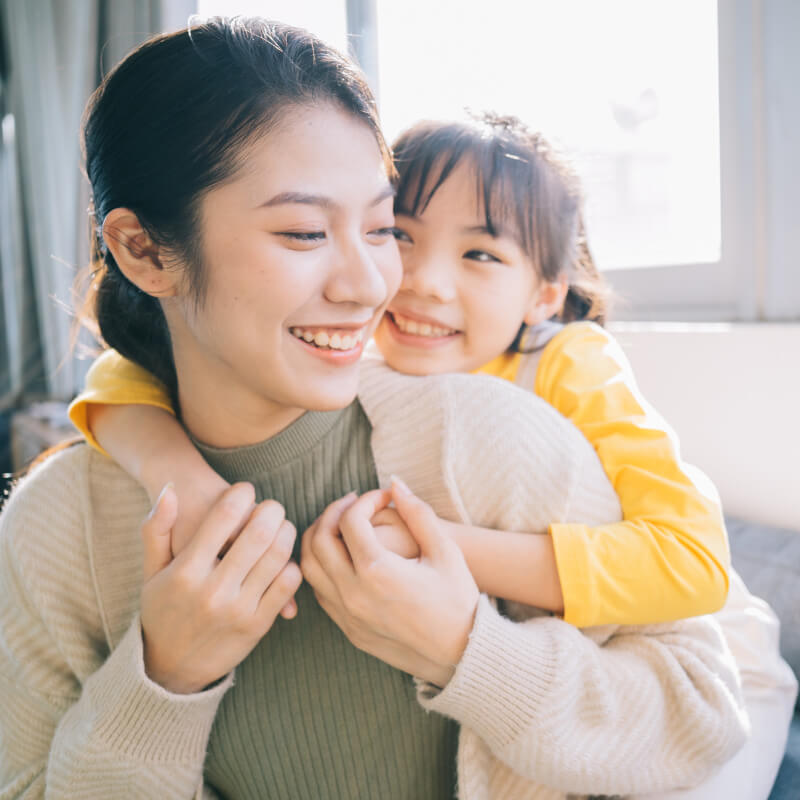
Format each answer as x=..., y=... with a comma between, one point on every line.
x=303, y=236
x=383, y=233
x=480, y=255
x=401, y=235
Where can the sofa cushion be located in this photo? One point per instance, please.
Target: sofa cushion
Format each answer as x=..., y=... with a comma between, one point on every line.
x=768, y=559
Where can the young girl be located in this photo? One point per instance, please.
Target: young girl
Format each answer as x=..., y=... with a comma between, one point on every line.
x=490, y=233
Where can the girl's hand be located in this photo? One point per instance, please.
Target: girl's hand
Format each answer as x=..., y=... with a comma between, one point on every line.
x=197, y=492
x=415, y=614
x=393, y=533
x=202, y=614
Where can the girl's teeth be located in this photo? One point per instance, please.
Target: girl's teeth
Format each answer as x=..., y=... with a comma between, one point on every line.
x=321, y=339
x=336, y=341
x=421, y=328
x=308, y=336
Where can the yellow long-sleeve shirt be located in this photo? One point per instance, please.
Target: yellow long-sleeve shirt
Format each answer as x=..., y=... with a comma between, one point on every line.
x=668, y=559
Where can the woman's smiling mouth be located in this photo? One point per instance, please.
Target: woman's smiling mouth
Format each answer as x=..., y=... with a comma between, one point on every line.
x=341, y=339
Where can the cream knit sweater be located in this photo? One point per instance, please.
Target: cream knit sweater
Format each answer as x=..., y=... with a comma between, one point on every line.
x=546, y=709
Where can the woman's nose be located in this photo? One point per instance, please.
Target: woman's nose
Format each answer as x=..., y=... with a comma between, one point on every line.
x=365, y=275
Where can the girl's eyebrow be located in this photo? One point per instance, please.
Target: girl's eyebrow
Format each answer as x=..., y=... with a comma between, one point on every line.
x=497, y=233
x=320, y=200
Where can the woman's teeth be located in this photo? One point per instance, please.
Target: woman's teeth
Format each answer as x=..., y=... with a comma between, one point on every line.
x=327, y=340
x=407, y=325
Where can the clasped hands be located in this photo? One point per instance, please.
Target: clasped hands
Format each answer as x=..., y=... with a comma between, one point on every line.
x=391, y=579
x=414, y=608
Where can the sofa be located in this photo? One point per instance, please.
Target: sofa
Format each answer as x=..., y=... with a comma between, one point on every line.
x=768, y=559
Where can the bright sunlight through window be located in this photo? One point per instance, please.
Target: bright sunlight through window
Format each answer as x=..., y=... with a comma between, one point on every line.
x=628, y=88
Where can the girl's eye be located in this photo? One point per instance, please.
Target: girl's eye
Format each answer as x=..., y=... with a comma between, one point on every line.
x=303, y=236
x=481, y=255
x=401, y=235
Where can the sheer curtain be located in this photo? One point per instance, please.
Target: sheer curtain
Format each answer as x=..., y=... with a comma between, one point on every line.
x=52, y=55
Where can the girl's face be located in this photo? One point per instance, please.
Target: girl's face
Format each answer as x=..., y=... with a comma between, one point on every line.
x=300, y=261
x=464, y=292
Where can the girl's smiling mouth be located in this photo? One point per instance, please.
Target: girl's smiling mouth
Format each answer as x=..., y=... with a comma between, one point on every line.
x=414, y=327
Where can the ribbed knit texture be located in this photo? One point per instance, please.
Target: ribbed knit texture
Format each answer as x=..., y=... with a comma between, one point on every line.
x=546, y=710
x=71, y=665
x=310, y=716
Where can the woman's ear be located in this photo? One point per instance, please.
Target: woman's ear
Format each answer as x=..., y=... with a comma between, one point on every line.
x=547, y=300
x=136, y=254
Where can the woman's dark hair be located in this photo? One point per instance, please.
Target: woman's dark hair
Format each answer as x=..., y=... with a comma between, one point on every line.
x=171, y=122
x=521, y=185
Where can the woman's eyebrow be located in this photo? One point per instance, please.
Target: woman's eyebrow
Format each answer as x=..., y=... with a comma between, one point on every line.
x=320, y=200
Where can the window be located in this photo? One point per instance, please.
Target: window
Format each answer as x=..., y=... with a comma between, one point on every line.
x=602, y=80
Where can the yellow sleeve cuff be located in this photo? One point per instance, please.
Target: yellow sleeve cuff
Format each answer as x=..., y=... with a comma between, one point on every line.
x=113, y=380
x=573, y=554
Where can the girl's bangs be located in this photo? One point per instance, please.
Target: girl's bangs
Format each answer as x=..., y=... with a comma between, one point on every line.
x=503, y=180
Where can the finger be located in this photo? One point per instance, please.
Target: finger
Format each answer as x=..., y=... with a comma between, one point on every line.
x=226, y=518
x=420, y=519
x=289, y=611
x=386, y=516
x=255, y=539
x=279, y=593
x=157, y=532
x=264, y=571
x=332, y=557
x=357, y=530
x=328, y=520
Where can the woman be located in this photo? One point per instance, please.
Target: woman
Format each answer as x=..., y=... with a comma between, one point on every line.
x=242, y=191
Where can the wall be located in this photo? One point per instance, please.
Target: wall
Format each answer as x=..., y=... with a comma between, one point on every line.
x=732, y=394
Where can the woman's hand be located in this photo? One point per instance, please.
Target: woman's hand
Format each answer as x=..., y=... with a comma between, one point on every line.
x=415, y=614
x=198, y=489
x=202, y=614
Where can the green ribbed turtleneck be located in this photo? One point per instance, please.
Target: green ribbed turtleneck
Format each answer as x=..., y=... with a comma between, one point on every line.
x=310, y=716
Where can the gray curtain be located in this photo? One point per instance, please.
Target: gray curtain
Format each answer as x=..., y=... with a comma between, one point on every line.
x=53, y=53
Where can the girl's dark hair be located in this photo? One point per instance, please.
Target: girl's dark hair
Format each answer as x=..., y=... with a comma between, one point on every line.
x=171, y=122
x=523, y=188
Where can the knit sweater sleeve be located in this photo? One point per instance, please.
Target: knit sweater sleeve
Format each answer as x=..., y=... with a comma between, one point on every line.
x=604, y=710
x=78, y=715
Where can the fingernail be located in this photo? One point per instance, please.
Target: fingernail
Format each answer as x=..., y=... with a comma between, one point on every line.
x=400, y=484
x=160, y=497
x=168, y=485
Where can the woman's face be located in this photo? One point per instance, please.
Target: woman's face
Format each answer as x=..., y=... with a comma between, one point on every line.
x=464, y=293
x=299, y=264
